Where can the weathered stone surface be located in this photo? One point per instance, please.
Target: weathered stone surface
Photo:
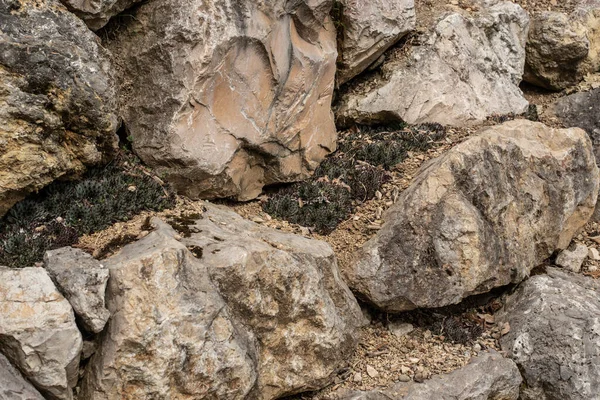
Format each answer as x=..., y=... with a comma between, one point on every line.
x=284, y=321
x=12, y=384
x=488, y=376
x=224, y=97
x=38, y=333
x=96, y=13
x=573, y=257
x=466, y=68
x=82, y=280
x=368, y=29
x=57, y=104
x=561, y=48
x=555, y=335
x=480, y=216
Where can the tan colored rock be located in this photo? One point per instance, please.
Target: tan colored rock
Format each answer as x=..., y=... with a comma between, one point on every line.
x=368, y=29
x=563, y=48
x=57, y=98
x=38, y=333
x=480, y=216
x=466, y=67
x=224, y=97
x=234, y=311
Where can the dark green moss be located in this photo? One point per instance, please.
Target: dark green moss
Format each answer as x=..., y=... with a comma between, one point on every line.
x=63, y=211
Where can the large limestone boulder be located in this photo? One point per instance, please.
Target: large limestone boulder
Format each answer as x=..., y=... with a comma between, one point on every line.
x=234, y=311
x=367, y=30
x=38, y=333
x=96, y=13
x=466, y=67
x=488, y=376
x=480, y=216
x=82, y=280
x=57, y=99
x=12, y=384
x=555, y=335
x=224, y=97
x=562, y=48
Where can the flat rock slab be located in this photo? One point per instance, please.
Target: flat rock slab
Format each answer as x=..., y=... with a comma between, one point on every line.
x=555, y=335
x=480, y=216
x=12, y=384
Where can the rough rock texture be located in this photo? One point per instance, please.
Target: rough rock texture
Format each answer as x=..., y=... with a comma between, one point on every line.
x=96, y=13
x=368, y=29
x=488, y=376
x=561, y=48
x=38, y=333
x=466, y=68
x=224, y=97
x=272, y=314
x=573, y=257
x=555, y=335
x=480, y=216
x=82, y=280
x=12, y=384
x=57, y=105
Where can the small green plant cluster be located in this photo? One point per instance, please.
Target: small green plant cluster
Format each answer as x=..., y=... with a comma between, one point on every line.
x=63, y=211
x=350, y=176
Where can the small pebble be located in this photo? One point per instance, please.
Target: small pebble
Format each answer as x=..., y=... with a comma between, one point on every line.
x=372, y=372
x=404, y=378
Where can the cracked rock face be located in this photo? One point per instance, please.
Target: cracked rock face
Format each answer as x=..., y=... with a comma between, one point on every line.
x=12, y=384
x=38, y=333
x=234, y=311
x=555, y=335
x=563, y=48
x=369, y=28
x=466, y=67
x=480, y=216
x=57, y=98
x=225, y=97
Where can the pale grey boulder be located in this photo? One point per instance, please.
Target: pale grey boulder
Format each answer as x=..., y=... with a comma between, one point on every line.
x=368, y=29
x=82, y=280
x=464, y=68
x=572, y=258
x=234, y=311
x=482, y=215
x=59, y=109
x=555, y=335
x=224, y=97
x=489, y=376
x=38, y=333
x=12, y=384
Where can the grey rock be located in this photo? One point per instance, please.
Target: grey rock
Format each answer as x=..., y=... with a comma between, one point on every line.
x=488, y=376
x=555, y=335
x=96, y=13
x=465, y=68
x=368, y=29
x=224, y=97
x=82, y=280
x=38, y=333
x=58, y=112
x=573, y=257
x=480, y=216
x=272, y=314
x=400, y=329
x=12, y=384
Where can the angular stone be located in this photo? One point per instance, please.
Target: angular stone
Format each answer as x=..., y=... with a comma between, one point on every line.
x=487, y=376
x=465, y=68
x=12, y=384
x=224, y=97
x=96, y=13
x=368, y=29
x=38, y=333
x=286, y=321
x=58, y=112
x=82, y=280
x=480, y=216
x=555, y=335
x=573, y=258
x=563, y=48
